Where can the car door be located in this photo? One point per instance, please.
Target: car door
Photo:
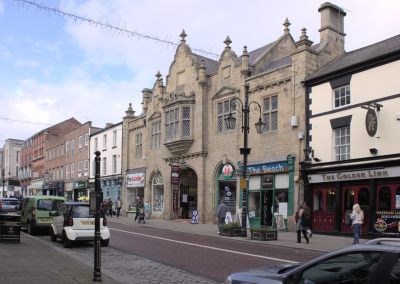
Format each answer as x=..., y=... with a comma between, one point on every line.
x=23, y=209
x=350, y=267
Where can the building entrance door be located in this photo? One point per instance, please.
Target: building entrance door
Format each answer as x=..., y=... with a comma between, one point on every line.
x=187, y=193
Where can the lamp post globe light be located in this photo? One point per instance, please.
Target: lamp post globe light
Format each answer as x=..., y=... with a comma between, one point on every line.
x=230, y=121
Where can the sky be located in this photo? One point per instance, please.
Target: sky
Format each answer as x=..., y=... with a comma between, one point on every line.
x=56, y=64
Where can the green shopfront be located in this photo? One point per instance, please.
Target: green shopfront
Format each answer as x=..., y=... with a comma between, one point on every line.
x=270, y=192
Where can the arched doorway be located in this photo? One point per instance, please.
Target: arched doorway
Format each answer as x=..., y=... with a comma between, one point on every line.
x=187, y=193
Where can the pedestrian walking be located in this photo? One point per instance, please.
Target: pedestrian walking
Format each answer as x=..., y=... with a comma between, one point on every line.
x=139, y=206
x=357, y=217
x=118, y=205
x=302, y=222
x=221, y=214
x=110, y=206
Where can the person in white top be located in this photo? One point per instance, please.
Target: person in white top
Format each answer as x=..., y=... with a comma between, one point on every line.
x=357, y=218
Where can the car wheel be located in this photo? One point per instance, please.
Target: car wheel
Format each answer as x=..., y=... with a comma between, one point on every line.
x=53, y=236
x=31, y=228
x=67, y=243
x=105, y=243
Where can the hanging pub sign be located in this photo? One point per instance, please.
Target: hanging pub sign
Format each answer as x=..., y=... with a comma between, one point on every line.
x=371, y=122
x=387, y=222
x=175, y=175
x=227, y=171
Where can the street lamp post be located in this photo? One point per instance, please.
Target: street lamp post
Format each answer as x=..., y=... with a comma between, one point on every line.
x=245, y=151
x=4, y=181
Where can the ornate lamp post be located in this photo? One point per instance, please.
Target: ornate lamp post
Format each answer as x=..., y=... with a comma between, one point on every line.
x=245, y=151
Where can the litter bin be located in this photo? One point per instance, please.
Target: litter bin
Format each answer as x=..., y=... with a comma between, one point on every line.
x=10, y=228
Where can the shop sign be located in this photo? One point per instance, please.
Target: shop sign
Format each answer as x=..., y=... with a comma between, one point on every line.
x=270, y=168
x=175, y=199
x=355, y=175
x=135, y=180
x=79, y=184
x=227, y=171
x=175, y=175
x=387, y=222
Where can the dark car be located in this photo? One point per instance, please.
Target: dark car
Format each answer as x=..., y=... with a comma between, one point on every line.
x=9, y=205
x=376, y=261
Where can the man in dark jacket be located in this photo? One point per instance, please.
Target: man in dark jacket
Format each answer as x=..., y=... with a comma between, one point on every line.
x=221, y=214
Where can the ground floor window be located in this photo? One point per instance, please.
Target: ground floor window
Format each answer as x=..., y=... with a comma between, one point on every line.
x=158, y=192
x=227, y=192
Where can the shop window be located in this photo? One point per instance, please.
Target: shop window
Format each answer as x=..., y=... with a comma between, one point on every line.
x=363, y=199
x=331, y=201
x=318, y=201
x=348, y=199
x=398, y=198
x=281, y=199
x=158, y=193
x=254, y=204
x=384, y=199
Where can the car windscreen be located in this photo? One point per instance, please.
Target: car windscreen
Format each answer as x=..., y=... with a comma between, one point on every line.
x=10, y=202
x=48, y=204
x=81, y=211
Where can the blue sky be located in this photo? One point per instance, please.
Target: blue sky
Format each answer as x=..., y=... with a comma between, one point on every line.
x=53, y=68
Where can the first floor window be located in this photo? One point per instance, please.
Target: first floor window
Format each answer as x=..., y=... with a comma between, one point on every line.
x=156, y=135
x=138, y=145
x=104, y=166
x=68, y=171
x=114, y=164
x=270, y=114
x=225, y=108
x=342, y=143
x=172, y=124
x=85, y=168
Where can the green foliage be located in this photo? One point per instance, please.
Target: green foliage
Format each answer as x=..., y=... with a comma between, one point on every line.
x=262, y=229
x=231, y=226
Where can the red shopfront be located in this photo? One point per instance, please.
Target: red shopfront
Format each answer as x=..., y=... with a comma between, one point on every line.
x=333, y=194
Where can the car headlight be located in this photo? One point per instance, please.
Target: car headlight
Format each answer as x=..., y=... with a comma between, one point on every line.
x=228, y=280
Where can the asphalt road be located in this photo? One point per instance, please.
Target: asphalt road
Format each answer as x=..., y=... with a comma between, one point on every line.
x=209, y=257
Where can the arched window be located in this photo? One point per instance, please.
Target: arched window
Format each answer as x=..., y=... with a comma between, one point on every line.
x=363, y=198
x=331, y=201
x=158, y=192
x=384, y=199
x=397, y=204
x=348, y=199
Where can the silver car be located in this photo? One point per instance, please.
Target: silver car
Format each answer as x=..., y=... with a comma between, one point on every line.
x=376, y=261
x=9, y=205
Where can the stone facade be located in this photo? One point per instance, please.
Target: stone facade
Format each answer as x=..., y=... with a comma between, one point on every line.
x=183, y=125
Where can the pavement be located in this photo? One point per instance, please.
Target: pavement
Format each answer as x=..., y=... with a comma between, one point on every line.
x=36, y=260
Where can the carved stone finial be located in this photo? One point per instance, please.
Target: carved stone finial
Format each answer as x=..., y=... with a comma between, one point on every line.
x=244, y=50
x=228, y=42
x=286, y=24
x=158, y=75
x=130, y=112
x=303, y=34
x=183, y=35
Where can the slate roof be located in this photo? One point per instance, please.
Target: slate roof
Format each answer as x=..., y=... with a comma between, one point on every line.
x=276, y=64
x=210, y=64
x=359, y=58
x=253, y=55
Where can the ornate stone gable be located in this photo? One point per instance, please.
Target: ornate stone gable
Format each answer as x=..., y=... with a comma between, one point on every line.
x=225, y=92
x=154, y=116
x=177, y=97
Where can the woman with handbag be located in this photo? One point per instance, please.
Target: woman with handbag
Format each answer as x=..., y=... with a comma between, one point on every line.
x=357, y=218
x=302, y=222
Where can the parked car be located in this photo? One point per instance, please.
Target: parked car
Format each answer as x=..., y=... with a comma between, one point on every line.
x=8, y=205
x=73, y=222
x=36, y=212
x=376, y=261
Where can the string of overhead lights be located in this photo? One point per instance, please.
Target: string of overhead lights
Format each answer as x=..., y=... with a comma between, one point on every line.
x=98, y=23
x=24, y=121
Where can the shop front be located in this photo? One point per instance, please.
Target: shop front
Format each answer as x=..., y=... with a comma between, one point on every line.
x=226, y=187
x=270, y=194
x=37, y=187
x=54, y=188
x=376, y=188
x=111, y=188
x=135, y=183
x=80, y=190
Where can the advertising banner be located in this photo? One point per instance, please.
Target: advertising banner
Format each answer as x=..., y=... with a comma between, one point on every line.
x=135, y=180
x=387, y=222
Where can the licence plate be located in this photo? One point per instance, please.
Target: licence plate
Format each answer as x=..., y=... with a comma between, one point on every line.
x=44, y=220
x=87, y=222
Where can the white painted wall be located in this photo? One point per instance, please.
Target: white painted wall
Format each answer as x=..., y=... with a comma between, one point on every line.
x=380, y=82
